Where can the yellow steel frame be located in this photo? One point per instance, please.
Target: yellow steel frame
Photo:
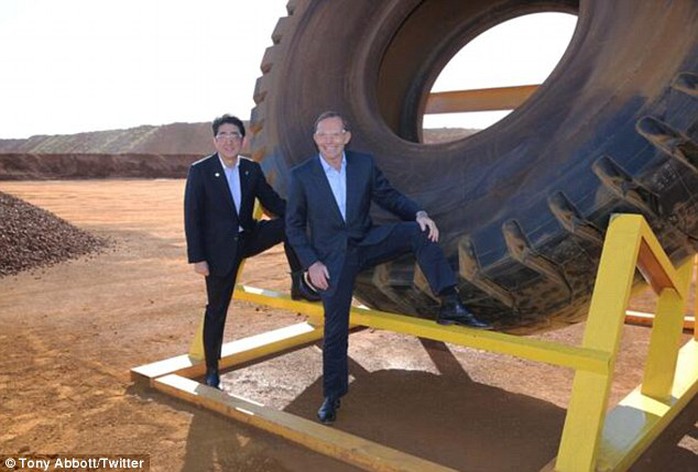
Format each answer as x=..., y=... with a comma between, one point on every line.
x=591, y=440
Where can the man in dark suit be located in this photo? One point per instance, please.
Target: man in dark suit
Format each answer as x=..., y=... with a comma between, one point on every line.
x=221, y=230
x=329, y=226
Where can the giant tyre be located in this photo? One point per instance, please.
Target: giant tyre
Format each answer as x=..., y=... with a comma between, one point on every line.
x=523, y=205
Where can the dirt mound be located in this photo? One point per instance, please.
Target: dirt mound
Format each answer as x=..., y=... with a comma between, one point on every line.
x=17, y=166
x=144, y=152
x=175, y=138
x=31, y=237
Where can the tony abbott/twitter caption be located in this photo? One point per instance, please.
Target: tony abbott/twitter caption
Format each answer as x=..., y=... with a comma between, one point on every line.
x=65, y=462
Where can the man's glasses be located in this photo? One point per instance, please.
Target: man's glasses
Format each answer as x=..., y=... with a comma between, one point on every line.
x=229, y=136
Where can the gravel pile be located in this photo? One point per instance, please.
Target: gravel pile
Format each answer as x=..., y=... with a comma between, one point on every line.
x=31, y=237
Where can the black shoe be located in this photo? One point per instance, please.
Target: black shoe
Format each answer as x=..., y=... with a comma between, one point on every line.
x=212, y=379
x=301, y=289
x=328, y=410
x=453, y=312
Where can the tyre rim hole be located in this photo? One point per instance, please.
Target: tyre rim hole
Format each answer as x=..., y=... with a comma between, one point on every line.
x=517, y=54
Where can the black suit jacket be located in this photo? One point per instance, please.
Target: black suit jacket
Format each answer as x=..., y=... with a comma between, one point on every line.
x=314, y=224
x=211, y=222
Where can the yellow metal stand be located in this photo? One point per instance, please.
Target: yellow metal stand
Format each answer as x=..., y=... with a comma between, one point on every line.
x=196, y=348
x=591, y=440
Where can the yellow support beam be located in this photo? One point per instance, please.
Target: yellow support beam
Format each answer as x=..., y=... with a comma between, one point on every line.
x=490, y=99
x=647, y=319
x=653, y=262
x=274, y=299
x=665, y=340
x=233, y=353
x=611, y=293
x=196, y=348
x=528, y=348
x=638, y=420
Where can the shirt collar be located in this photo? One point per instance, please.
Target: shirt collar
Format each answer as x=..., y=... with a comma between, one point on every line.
x=225, y=167
x=327, y=168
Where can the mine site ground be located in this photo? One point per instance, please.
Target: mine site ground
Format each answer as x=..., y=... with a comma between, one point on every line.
x=70, y=333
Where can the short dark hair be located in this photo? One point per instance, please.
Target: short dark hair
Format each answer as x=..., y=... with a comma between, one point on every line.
x=230, y=119
x=331, y=114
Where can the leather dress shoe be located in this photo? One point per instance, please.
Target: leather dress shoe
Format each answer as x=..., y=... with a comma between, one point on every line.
x=328, y=410
x=454, y=312
x=301, y=288
x=212, y=379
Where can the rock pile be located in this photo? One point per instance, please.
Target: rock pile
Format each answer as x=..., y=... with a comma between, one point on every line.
x=31, y=237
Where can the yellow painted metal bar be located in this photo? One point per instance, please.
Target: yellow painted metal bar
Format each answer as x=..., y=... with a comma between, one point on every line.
x=653, y=262
x=332, y=442
x=234, y=353
x=647, y=319
x=501, y=98
x=662, y=356
x=638, y=420
x=275, y=299
x=585, y=414
x=196, y=348
x=528, y=348
x=689, y=320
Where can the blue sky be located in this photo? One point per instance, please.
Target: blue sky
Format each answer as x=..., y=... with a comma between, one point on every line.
x=70, y=66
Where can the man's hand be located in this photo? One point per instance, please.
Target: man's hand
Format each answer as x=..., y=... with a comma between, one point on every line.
x=427, y=223
x=201, y=268
x=319, y=275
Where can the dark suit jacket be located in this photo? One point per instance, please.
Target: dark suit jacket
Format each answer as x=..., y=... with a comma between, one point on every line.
x=314, y=224
x=211, y=222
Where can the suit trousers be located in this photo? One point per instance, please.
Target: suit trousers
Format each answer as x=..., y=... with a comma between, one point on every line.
x=405, y=237
x=219, y=289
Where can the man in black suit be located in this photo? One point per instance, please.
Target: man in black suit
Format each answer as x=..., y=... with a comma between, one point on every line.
x=221, y=230
x=329, y=226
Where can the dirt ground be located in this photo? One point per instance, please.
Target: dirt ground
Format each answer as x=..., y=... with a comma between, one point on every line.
x=70, y=334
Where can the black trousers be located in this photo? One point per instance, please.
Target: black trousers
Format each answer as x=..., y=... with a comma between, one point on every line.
x=405, y=237
x=219, y=289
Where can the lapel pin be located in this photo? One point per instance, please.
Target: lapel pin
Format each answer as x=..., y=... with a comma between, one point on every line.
x=217, y=174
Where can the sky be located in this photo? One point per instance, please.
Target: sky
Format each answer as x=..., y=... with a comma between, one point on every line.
x=70, y=66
